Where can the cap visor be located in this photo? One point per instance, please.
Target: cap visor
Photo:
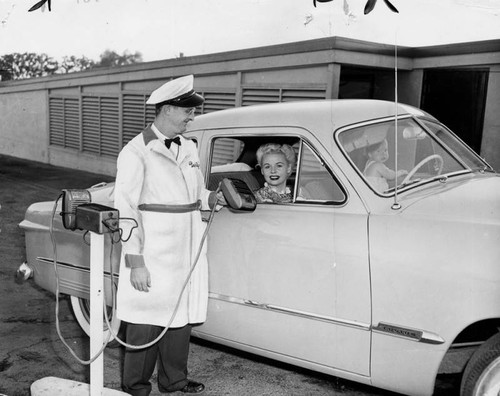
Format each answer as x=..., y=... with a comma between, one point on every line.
x=194, y=100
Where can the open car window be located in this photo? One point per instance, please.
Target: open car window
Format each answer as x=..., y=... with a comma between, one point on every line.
x=234, y=158
x=310, y=181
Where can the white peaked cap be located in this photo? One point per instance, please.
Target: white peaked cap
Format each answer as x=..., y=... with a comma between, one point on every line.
x=177, y=92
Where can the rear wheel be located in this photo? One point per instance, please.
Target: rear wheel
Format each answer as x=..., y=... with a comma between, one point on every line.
x=482, y=373
x=81, y=310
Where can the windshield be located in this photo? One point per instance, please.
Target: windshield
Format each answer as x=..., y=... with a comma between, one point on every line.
x=469, y=157
x=426, y=152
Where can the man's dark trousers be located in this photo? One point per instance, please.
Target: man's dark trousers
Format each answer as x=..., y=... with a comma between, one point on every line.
x=171, y=352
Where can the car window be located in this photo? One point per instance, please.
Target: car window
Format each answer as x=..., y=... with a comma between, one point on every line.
x=315, y=183
x=226, y=151
x=310, y=181
x=470, y=158
x=420, y=156
x=233, y=158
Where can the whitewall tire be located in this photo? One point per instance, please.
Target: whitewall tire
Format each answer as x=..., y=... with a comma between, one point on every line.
x=81, y=311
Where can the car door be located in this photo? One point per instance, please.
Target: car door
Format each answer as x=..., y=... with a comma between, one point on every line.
x=290, y=281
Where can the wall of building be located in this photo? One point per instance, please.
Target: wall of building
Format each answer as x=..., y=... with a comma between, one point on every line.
x=30, y=112
x=24, y=123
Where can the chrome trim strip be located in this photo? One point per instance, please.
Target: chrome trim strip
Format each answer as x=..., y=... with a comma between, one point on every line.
x=423, y=336
x=74, y=286
x=29, y=225
x=307, y=315
x=45, y=260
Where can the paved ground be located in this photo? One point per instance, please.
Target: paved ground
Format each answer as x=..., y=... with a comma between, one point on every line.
x=30, y=348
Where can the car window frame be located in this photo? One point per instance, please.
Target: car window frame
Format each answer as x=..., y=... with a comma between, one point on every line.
x=285, y=132
x=324, y=164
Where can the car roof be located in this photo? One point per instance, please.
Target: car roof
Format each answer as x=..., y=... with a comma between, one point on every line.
x=312, y=115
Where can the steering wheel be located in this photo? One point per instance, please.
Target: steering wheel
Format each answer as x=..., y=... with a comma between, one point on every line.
x=421, y=163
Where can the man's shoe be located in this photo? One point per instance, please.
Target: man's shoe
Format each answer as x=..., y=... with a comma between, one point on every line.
x=191, y=387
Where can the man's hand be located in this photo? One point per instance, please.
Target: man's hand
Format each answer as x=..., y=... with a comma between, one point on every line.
x=140, y=279
x=221, y=200
x=216, y=199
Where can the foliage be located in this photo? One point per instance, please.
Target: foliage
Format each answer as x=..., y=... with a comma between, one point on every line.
x=111, y=58
x=71, y=64
x=17, y=66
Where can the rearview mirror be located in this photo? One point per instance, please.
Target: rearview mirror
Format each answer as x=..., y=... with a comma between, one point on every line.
x=413, y=133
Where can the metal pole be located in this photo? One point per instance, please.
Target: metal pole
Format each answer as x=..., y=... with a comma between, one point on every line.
x=96, y=312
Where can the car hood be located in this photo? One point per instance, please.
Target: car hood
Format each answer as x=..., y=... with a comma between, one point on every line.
x=476, y=199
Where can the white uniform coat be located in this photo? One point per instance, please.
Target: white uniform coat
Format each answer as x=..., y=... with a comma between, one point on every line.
x=148, y=173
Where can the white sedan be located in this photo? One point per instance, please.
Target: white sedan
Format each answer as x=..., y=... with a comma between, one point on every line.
x=380, y=271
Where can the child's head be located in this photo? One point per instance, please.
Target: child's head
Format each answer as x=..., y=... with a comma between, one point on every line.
x=378, y=152
x=276, y=162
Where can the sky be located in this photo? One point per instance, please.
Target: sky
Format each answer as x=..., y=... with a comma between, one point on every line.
x=163, y=29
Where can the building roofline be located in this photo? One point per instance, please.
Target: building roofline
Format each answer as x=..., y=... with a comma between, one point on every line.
x=322, y=44
x=471, y=47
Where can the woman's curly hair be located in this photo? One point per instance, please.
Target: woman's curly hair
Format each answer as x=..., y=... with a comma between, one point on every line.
x=275, y=148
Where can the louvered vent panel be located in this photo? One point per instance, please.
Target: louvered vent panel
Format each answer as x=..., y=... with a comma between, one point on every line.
x=255, y=96
x=290, y=95
x=150, y=114
x=215, y=101
x=56, y=121
x=134, y=115
x=110, y=123
x=91, y=124
x=72, y=123
x=226, y=151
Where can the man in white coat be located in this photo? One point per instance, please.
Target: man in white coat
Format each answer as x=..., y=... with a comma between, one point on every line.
x=160, y=185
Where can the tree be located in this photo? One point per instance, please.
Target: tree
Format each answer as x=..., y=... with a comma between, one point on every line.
x=73, y=64
x=111, y=58
x=18, y=66
x=6, y=67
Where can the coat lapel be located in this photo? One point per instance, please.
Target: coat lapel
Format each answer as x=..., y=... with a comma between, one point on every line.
x=149, y=137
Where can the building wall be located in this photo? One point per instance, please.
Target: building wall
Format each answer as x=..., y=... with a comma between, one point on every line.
x=24, y=124
x=109, y=105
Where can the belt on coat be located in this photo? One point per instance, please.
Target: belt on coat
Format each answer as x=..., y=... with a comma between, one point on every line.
x=171, y=208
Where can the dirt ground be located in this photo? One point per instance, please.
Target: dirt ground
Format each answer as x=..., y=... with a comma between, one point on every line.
x=30, y=348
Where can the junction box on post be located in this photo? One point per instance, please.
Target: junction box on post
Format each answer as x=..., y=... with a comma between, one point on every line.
x=79, y=213
x=96, y=218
